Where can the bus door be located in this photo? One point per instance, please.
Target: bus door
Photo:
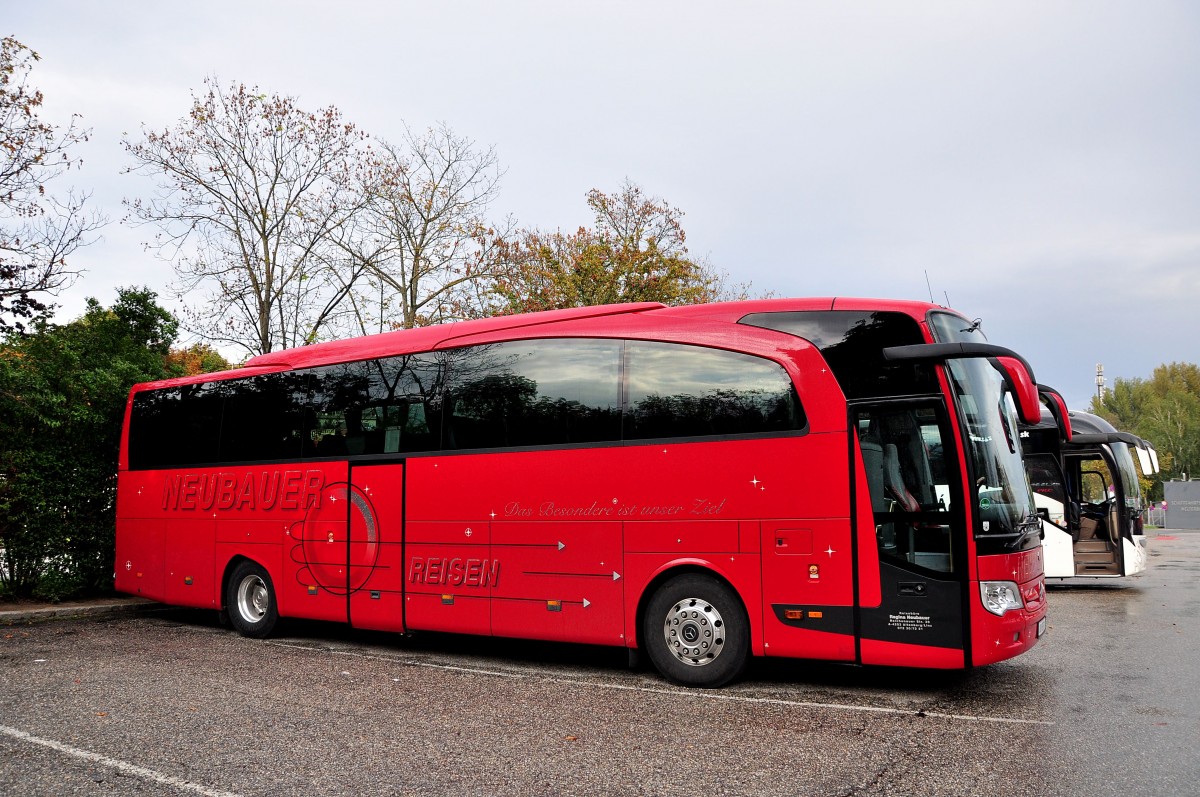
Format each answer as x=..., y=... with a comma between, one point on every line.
x=912, y=472
x=374, y=501
x=1098, y=551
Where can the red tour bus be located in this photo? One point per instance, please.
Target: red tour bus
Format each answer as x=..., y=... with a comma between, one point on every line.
x=835, y=479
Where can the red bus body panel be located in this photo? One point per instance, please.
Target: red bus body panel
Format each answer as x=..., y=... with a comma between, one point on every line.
x=997, y=638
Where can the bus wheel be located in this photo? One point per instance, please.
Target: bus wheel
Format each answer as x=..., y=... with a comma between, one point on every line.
x=250, y=601
x=696, y=631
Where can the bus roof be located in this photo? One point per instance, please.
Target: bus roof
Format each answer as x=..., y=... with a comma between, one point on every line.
x=736, y=310
x=1087, y=423
x=652, y=318
x=407, y=341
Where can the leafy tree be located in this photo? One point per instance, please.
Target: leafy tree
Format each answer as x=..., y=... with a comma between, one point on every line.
x=1173, y=422
x=252, y=192
x=37, y=230
x=1164, y=409
x=63, y=391
x=1122, y=404
x=636, y=252
x=199, y=358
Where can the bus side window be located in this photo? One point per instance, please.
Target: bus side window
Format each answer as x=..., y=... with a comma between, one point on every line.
x=534, y=393
x=260, y=418
x=677, y=390
x=368, y=407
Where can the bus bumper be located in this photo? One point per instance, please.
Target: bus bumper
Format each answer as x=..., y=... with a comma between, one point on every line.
x=996, y=638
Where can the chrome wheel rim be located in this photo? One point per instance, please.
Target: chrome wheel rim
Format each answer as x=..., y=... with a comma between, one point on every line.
x=694, y=632
x=253, y=599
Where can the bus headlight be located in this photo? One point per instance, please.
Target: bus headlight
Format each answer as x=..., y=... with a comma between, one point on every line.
x=1000, y=596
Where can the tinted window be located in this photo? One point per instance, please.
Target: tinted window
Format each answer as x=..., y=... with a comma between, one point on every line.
x=176, y=426
x=852, y=342
x=382, y=406
x=262, y=417
x=691, y=391
x=535, y=392
x=513, y=394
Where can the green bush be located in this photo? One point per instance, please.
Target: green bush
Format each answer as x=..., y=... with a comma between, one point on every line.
x=62, y=401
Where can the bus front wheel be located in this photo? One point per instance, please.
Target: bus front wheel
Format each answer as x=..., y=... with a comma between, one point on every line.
x=250, y=601
x=696, y=632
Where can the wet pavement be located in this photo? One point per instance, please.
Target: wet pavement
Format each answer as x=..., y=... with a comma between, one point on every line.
x=1123, y=676
x=172, y=703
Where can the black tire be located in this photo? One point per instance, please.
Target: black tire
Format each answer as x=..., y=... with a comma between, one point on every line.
x=696, y=632
x=250, y=601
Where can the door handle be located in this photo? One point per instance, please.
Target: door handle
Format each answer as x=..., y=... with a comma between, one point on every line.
x=913, y=588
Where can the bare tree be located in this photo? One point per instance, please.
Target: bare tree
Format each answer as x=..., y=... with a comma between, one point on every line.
x=430, y=244
x=252, y=192
x=37, y=230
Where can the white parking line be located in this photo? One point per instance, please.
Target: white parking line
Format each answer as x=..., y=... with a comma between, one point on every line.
x=407, y=662
x=124, y=767
x=695, y=694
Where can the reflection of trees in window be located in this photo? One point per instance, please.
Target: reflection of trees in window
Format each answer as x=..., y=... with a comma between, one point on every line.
x=486, y=407
x=684, y=391
x=518, y=393
x=538, y=392
x=562, y=420
x=717, y=412
x=379, y=406
x=262, y=417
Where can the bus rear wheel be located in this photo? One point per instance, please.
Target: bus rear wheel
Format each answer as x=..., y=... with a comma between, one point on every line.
x=696, y=632
x=250, y=601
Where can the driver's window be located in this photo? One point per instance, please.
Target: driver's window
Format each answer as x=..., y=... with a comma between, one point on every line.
x=1049, y=492
x=910, y=478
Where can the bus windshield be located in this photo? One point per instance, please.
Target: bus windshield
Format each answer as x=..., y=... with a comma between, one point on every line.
x=1130, y=486
x=1005, y=500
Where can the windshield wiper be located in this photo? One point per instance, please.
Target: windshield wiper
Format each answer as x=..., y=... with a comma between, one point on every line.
x=1013, y=539
x=1032, y=524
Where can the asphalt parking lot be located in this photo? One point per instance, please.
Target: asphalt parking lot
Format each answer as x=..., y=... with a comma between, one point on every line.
x=172, y=703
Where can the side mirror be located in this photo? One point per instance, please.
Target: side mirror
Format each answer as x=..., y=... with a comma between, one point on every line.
x=1017, y=373
x=1058, y=408
x=1144, y=460
x=1029, y=407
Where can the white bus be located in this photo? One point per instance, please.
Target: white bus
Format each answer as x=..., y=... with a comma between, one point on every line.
x=1087, y=491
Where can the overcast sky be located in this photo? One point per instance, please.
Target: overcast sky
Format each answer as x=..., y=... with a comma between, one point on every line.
x=1039, y=160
